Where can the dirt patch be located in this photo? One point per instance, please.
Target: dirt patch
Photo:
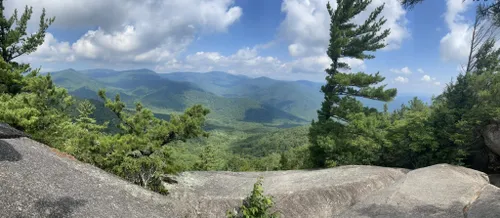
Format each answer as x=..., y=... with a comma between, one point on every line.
x=62, y=154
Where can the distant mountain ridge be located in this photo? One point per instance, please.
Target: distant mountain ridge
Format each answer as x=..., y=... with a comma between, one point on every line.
x=294, y=97
x=301, y=97
x=166, y=96
x=228, y=96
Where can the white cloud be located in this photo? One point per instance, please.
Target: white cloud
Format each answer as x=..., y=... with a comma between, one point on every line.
x=454, y=46
x=426, y=78
x=431, y=80
x=310, y=65
x=420, y=70
x=306, y=25
x=153, y=33
x=134, y=31
x=247, y=61
x=318, y=64
x=401, y=79
x=51, y=50
x=244, y=61
x=404, y=70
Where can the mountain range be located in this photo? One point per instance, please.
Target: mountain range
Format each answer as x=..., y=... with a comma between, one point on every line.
x=229, y=97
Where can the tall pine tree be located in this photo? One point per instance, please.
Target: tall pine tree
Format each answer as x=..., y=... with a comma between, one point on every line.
x=331, y=136
x=15, y=42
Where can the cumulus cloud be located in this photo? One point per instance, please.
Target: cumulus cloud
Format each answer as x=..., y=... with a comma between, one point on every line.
x=404, y=70
x=310, y=65
x=432, y=80
x=426, y=78
x=420, y=70
x=306, y=24
x=247, y=61
x=244, y=61
x=52, y=50
x=135, y=31
x=401, y=79
x=454, y=46
x=156, y=32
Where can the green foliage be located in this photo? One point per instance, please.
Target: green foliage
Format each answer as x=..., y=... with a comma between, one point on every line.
x=162, y=95
x=14, y=40
x=412, y=140
x=134, y=144
x=450, y=130
x=346, y=132
x=282, y=140
x=257, y=205
x=139, y=152
x=38, y=110
x=208, y=159
x=298, y=98
x=29, y=102
x=11, y=79
x=144, y=145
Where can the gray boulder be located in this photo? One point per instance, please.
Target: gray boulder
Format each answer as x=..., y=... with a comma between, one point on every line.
x=436, y=191
x=7, y=132
x=315, y=193
x=38, y=181
x=487, y=204
x=491, y=135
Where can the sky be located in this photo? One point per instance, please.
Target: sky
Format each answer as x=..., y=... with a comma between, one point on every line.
x=280, y=39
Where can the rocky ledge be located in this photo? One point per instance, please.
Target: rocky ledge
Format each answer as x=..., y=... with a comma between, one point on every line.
x=37, y=181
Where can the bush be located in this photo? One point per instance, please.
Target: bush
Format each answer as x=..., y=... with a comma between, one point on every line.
x=257, y=205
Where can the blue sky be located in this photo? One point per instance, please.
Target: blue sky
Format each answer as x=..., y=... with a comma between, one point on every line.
x=281, y=39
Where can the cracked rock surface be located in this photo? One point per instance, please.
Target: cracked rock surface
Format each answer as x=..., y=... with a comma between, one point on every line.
x=36, y=181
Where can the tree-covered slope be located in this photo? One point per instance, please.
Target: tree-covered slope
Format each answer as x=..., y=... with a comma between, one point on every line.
x=300, y=99
x=279, y=141
x=167, y=96
x=219, y=83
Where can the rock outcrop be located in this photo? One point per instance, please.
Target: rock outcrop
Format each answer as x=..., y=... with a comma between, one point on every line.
x=37, y=181
x=491, y=135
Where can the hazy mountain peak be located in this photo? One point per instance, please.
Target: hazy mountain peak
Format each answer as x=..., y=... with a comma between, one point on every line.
x=66, y=70
x=142, y=70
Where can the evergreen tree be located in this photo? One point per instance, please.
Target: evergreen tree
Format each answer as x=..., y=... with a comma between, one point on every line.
x=487, y=58
x=14, y=40
x=257, y=205
x=412, y=138
x=140, y=152
x=464, y=108
x=340, y=107
x=208, y=159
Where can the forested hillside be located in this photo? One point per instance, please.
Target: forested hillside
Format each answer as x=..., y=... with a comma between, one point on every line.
x=166, y=96
x=229, y=97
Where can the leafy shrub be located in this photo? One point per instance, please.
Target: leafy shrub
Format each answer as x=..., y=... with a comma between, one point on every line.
x=257, y=205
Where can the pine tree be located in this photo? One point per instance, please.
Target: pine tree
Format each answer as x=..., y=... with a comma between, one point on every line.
x=257, y=205
x=140, y=152
x=340, y=106
x=14, y=40
x=208, y=159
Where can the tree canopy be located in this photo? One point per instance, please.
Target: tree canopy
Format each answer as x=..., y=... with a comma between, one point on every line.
x=341, y=112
